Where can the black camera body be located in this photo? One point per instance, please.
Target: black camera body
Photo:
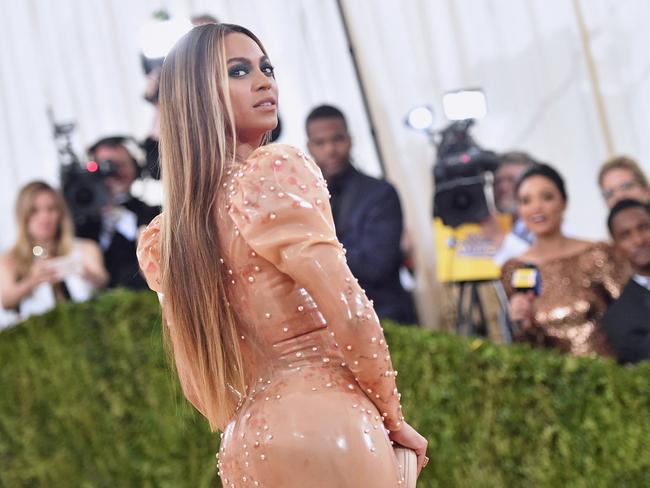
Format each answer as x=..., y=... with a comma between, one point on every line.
x=462, y=177
x=86, y=193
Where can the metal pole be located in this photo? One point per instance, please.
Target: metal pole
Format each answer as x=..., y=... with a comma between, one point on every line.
x=362, y=88
x=595, y=82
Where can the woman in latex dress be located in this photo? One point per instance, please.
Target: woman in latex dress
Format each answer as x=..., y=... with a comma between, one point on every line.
x=274, y=341
x=579, y=279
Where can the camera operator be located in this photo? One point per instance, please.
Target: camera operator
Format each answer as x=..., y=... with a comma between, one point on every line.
x=123, y=216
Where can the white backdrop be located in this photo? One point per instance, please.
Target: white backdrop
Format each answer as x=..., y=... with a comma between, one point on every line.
x=81, y=58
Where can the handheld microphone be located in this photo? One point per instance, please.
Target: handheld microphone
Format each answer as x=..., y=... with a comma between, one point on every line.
x=527, y=278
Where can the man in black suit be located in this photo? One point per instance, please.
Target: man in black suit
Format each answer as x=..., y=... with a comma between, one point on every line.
x=367, y=215
x=627, y=322
x=123, y=216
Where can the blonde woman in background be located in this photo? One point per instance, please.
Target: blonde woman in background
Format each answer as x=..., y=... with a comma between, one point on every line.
x=47, y=265
x=273, y=339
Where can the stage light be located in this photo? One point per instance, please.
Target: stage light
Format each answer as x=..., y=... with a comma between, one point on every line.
x=464, y=104
x=159, y=35
x=420, y=118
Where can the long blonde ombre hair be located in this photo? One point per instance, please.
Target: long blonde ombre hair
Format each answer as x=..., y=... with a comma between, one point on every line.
x=22, y=251
x=197, y=142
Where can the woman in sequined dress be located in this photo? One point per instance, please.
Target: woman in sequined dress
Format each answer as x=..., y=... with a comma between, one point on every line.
x=273, y=340
x=579, y=278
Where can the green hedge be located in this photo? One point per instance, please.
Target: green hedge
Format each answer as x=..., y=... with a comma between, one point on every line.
x=87, y=400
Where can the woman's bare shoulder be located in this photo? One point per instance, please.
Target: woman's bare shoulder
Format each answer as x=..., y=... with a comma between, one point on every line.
x=7, y=263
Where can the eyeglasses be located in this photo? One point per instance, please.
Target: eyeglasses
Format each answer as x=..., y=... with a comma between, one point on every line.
x=626, y=186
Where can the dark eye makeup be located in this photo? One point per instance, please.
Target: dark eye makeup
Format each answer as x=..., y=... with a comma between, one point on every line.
x=243, y=68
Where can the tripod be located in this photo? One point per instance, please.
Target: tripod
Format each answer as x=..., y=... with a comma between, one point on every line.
x=470, y=312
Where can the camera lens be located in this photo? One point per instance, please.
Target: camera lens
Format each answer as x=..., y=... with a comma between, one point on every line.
x=462, y=200
x=83, y=196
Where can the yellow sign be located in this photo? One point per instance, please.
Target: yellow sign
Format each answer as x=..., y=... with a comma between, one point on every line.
x=465, y=253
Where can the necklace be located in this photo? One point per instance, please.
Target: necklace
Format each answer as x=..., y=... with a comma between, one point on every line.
x=38, y=251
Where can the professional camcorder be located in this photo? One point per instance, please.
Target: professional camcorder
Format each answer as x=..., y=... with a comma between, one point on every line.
x=85, y=191
x=83, y=185
x=463, y=176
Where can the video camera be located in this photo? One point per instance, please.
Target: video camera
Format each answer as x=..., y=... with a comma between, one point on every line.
x=83, y=185
x=85, y=191
x=463, y=176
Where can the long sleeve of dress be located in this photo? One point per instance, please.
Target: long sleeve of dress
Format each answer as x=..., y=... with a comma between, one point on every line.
x=148, y=253
x=279, y=202
x=533, y=334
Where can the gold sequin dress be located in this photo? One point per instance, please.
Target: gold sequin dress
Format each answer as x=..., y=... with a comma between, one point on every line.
x=325, y=392
x=576, y=291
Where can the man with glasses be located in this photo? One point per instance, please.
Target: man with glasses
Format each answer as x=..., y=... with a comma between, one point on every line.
x=621, y=178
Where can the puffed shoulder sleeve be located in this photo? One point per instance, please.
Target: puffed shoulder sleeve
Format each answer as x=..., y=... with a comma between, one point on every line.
x=280, y=204
x=148, y=253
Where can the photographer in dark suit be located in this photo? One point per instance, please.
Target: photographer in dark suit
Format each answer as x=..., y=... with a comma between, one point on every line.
x=367, y=215
x=627, y=321
x=123, y=216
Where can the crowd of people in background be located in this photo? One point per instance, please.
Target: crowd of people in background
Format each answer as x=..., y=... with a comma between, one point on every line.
x=579, y=279
x=594, y=297
x=48, y=264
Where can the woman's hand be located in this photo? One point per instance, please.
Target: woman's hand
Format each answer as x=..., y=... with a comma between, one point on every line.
x=408, y=437
x=41, y=272
x=522, y=308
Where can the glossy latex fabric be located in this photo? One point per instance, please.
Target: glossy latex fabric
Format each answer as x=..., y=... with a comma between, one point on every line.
x=324, y=393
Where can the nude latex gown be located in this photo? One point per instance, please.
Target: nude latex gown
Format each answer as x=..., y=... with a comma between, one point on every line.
x=316, y=415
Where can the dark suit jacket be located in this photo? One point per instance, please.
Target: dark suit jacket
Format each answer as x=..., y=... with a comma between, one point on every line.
x=368, y=220
x=627, y=324
x=119, y=258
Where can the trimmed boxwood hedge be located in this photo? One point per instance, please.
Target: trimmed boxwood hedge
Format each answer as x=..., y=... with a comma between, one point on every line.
x=87, y=400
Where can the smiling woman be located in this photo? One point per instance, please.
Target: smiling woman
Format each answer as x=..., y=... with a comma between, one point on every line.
x=273, y=339
x=580, y=279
